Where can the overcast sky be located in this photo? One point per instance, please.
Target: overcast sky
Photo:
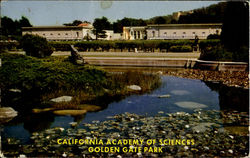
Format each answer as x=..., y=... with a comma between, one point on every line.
x=59, y=12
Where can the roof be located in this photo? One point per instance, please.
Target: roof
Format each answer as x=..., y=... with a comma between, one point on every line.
x=54, y=27
x=185, y=25
x=84, y=24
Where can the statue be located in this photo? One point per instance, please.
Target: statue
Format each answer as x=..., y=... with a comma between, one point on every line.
x=75, y=57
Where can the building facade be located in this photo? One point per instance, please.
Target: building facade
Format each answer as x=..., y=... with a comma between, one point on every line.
x=61, y=33
x=182, y=31
x=134, y=32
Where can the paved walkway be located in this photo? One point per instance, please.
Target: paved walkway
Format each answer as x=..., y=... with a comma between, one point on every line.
x=168, y=55
x=134, y=55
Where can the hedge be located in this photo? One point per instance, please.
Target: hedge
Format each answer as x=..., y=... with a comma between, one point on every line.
x=184, y=48
x=9, y=46
x=144, y=45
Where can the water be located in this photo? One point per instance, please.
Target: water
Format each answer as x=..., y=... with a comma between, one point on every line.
x=182, y=92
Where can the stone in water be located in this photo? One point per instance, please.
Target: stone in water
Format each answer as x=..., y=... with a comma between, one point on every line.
x=190, y=105
x=62, y=99
x=180, y=92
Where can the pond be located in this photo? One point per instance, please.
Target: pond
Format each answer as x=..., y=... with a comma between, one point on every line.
x=174, y=95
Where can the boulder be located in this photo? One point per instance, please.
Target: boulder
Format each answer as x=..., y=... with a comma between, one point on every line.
x=42, y=110
x=164, y=96
x=69, y=112
x=90, y=108
x=180, y=92
x=7, y=114
x=202, y=127
x=62, y=99
x=190, y=105
x=15, y=90
x=134, y=87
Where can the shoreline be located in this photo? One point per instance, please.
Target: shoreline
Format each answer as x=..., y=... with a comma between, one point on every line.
x=210, y=131
x=229, y=78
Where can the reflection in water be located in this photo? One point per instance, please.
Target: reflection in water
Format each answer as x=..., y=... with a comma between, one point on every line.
x=231, y=98
x=179, y=89
x=38, y=122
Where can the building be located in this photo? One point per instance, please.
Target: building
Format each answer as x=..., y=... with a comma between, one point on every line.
x=182, y=31
x=134, y=32
x=62, y=33
x=111, y=35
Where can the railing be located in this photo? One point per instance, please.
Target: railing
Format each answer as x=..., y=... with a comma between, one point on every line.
x=176, y=37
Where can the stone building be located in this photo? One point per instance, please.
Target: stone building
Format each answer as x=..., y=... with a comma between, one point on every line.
x=61, y=33
x=182, y=31
x=134, y=32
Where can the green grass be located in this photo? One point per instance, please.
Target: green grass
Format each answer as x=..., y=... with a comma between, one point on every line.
x=52, y=77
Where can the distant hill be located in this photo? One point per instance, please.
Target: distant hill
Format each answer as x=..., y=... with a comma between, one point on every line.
x=211, y=14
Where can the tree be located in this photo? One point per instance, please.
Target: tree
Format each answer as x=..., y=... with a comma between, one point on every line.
x=36, y=46
x=101, y=24
x=12, y=28
x=24, y=22
x=160, y=20
x=235, y=29
x=74, y=23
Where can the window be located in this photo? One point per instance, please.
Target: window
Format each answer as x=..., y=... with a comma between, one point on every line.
x=203, y=33
x=134, y=34
x=153, y=32
x=165, y=33
x=131, y=33
x=193, y=33
x=139, y=35
x=174, y=33
x=77, y=34
x=184, y=33
x=44, y=34
x=59, y=34
x=66, y=34
x=51, y=34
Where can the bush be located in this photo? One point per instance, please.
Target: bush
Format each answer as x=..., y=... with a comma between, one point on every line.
x=216, y=54
x=4, y=46
x=213, y=36
x=47, y=74
x=178, y=48
x=208, y=44
x=36, y=46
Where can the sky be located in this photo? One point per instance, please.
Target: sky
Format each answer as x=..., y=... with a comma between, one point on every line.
x=45, y=13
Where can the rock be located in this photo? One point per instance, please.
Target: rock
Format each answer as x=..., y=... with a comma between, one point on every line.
x=75, y=56
x=7, y=114
x=69, y=112
x=180, y=92
x=62, y=99
x=190, y=105
x=237, y=130
x=90, y=108
x=202, y=127
x=164, y=96
x=79, y=62
x=134, y=87
x=159, y=72
x=42, y=110
x=73, y=124
x=15, y=90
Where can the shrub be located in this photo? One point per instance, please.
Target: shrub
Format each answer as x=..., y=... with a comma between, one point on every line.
x=47, y=74
x=213, y=36
x=36, y=46
x=216, y=54
x=4, y=46
x=208, y=44
x=178, y=48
